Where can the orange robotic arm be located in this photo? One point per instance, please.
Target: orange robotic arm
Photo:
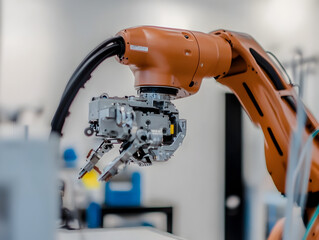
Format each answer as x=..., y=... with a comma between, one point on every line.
x=171, y=63
x=177, y=60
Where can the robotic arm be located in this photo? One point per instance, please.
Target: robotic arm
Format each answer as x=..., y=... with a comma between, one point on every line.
x=170, y=63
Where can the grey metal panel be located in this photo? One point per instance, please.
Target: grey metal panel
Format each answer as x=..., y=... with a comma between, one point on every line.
x=28, y=179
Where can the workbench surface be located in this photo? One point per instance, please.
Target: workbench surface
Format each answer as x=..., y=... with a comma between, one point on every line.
x=140, y=233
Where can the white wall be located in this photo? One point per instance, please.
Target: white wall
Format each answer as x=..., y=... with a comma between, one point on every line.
x=43, y=41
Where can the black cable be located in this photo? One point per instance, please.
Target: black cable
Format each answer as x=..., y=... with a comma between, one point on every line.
x=81, y=76
x=102, y=45
x=77, y=81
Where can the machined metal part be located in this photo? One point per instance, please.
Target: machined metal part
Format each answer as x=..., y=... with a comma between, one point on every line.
x=147, y=126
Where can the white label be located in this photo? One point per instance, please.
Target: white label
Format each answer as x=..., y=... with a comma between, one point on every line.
x=139, y=48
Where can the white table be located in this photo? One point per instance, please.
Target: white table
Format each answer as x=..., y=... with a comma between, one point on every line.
x=140, y=233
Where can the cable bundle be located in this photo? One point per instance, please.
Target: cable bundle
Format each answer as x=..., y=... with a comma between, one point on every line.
x=109, y=48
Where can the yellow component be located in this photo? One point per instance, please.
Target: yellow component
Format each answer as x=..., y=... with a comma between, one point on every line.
x=90, y=180
x=172, y=129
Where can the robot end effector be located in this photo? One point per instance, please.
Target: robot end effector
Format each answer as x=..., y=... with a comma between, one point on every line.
x=148, y=127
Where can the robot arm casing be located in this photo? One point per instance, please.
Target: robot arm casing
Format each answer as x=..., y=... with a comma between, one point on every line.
x=174, y=58
x=180, y=59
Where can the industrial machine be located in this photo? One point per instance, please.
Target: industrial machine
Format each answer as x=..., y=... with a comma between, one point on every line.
x=169, y=64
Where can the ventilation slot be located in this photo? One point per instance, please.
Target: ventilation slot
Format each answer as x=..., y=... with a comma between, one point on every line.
x=292, y=103
x=269, y=70
x=275, y=141
x=253, y=99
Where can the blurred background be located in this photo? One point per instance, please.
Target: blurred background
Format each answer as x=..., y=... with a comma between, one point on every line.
x=41, y=44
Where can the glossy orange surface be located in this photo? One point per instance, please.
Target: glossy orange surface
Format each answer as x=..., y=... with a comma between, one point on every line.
x=181, y=59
